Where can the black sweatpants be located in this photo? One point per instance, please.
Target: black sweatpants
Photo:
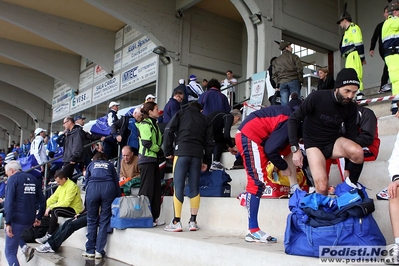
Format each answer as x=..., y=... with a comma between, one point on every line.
x=151, y=186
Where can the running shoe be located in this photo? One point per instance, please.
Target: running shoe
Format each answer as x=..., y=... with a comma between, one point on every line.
x=29, y=253
x=45, y=248
x=192, y=226
x=43, y=239
x=98, y=256
x=174, y=227
x=88, y=255
x=216, y=166
x=260, y=237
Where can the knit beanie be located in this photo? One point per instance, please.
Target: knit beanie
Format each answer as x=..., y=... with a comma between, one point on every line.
x=347, y=76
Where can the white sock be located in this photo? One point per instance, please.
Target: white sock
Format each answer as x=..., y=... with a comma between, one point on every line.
x=295, y=187
x=396, y=240
x=349, y=182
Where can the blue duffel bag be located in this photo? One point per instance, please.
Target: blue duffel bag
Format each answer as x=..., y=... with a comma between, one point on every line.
x=131, y=212
x=213, y=184
x=303, y=239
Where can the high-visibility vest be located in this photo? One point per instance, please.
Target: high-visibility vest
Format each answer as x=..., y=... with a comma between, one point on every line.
x=352, y=41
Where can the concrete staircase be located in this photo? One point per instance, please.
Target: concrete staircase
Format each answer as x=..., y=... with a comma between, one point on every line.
x=223, y=225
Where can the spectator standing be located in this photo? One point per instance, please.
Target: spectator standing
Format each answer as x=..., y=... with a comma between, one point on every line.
x=193, y=89
x=326, y=81
x=377, y=37
x=129, y=164
x=52, y=145
x=221, y=127
x=324, y=112
x=65, y=202
x=192, y=134
x=23, y=208
x=150, y=98
x=204, y=84
x=263, y=137
x=26, y=146
x=125, y=131
x=102, y=188
x=150, y=148
x=230, y=81
x=172, y=106
x=182, y=87
x=351, y=45
x=390, y=40
x=88, y=138
x=110, y=146
x=38, y=148
x=287, y=72
x=213, y=100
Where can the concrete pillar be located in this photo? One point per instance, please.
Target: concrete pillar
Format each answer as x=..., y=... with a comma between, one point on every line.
x=60, y=65
x=11, y=128
x=92, y=42
x=29, y=80
x=36, y=107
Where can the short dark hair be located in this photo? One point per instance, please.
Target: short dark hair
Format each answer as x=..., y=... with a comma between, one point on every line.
x=213, y=83
x=229, y=71
x=178, y=92
x=70, y=118
x=99, y=156
x=60, y=174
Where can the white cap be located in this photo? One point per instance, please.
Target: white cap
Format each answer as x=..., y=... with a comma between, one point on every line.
x=112, y=104
x=39, y=130
x=150, y=96
x=181, y=81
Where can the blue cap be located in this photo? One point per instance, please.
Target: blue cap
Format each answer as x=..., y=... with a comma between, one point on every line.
x=79, y=117
x=193, y=77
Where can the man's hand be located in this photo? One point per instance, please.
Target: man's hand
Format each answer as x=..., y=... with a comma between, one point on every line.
x=47, y=212
x=203, y=167
x=37, y=223
x=102, y=138
x=233, y=150
x=9, y=231
x=297, y=158
x=371, y=53
x=286, y=172
x=364, y=62
x=392, y=188
x=170, y=157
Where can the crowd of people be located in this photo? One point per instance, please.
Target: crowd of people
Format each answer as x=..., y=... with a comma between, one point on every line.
x=193, y=133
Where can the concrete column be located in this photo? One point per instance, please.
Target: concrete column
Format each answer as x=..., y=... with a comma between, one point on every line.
x=36, y=107
x=11, y=128
x=63, y=66
x=92, y=42
x=29, y=80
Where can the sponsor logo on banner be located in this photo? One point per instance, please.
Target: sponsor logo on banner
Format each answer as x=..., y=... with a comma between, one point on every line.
x=129, y=34
x=137, y=50
x=117, y=61
x=80, y=100
x=99, y=73
x=86, y=78
x=62, y=94
x=257, y=91
x=140, y=74
x=105, y=88
x=60, y=110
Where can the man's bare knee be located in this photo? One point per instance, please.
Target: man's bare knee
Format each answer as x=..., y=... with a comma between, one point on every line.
x=356, y=154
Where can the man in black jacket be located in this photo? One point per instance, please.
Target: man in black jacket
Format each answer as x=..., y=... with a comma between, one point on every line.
x=193, y=138
x=125, y=131
x=221, y=125
x=377, y=37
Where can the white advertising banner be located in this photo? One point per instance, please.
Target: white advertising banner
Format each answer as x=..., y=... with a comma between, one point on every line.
x=60, y=110
x=141, y=73
x=119, y=39
x=117, y=61
x=99, y=73
x=129, y=34
x=106, y=88
x=137, y=50
x=86, y=78
x=85, y=63
x=257, y=91
x=81, y=100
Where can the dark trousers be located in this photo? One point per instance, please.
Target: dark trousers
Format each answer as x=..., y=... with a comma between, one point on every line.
x=12, y=243
x=385, y=75
x=57, y=212
x=218, y=150
x=151, y=186
x=99, y=197
x=110, y=149
x=66, y=230
x=68, y=169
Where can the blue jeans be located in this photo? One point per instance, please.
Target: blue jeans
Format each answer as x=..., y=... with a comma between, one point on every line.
x=287, y=88
x=12, y=243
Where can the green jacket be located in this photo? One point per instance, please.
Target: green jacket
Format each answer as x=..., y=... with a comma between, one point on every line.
x=67, y=195
x=150, y=141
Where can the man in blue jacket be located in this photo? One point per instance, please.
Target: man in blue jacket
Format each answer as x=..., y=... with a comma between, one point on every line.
x=23, y=195
x=213, y=100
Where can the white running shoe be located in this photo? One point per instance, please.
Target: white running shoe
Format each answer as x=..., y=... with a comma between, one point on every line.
x=174, y=227
x=45, y=248
x=192, y=226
